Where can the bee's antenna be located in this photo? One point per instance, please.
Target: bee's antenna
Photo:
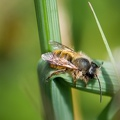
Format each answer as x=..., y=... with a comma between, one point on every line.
x=100, y=88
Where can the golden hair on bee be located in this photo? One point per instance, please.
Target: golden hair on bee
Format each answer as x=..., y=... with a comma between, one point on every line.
x=79, y=65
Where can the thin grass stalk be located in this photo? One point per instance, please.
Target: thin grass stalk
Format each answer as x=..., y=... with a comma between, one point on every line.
x=105, y=41
x=114, y=105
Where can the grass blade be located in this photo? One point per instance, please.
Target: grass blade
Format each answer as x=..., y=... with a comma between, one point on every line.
x=48, y=23
x=56, y=97
x=107, y=78
x=111, y=109
x=114, y=106
x=104, y=40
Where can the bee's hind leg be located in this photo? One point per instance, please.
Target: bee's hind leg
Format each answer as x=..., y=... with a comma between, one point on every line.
x=55, y=73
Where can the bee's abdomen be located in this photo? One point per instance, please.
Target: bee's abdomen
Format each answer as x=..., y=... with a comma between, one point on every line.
x=64, y=54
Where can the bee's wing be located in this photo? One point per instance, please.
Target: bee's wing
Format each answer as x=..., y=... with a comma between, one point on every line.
x=55, y=60
x=57, y=45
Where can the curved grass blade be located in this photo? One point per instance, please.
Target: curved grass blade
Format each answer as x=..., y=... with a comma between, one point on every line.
x=56, y=96
x=107, y=78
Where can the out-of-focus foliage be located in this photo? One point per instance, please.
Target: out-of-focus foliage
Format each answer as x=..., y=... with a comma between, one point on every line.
x=19, y=52
x=19, y=55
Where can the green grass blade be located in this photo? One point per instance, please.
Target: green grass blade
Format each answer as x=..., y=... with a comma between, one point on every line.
x=111, y=109
x=48, y=23
x=114, y=106
x=104, y=40
x=107, y=78
x=56, y=97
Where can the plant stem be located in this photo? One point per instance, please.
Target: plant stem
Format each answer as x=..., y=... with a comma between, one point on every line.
x=56, y=97
x=48, y=23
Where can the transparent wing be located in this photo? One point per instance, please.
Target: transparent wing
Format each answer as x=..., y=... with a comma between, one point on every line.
x=55, y=60
x=57, y=45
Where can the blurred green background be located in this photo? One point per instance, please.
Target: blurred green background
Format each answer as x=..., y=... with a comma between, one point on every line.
x=20, y=52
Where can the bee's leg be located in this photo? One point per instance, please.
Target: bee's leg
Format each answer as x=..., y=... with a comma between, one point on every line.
x=55, y=73
x=74, y=77
x=85, y=81
x=84, y=78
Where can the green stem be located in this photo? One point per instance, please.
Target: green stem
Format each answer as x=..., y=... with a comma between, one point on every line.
x=56, y=97
x=48, y=23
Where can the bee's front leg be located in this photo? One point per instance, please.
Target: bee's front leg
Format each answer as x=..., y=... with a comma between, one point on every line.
x=85, y=81
x=55, y=73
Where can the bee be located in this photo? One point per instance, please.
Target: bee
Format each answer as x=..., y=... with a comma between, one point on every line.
x=79, y=65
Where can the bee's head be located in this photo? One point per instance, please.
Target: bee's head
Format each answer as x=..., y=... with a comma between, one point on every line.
x=92, y=71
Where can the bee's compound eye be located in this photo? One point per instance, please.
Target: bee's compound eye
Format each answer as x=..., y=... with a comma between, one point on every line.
x=82, y=64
